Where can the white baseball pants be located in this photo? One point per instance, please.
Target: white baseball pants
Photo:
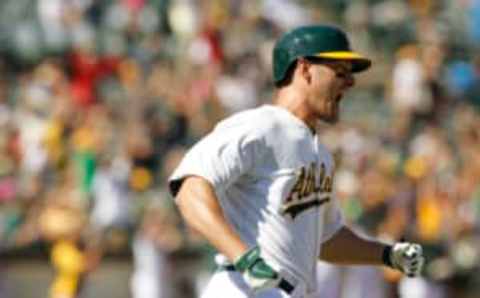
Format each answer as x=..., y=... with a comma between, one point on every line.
x=232, y=285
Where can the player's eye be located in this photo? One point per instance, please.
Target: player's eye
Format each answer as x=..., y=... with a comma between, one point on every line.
x=343, y=74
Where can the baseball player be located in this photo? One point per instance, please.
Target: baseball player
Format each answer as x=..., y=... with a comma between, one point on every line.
x=259, y=186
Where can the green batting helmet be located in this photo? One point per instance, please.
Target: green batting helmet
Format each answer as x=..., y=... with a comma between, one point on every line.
x=314, y=41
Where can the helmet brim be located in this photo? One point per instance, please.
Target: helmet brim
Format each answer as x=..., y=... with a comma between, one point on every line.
x=359, y=62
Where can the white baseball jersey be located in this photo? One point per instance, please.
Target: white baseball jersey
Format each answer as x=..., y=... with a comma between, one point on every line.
x=274, y=182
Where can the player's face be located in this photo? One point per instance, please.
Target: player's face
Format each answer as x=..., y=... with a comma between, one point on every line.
x=329, y=81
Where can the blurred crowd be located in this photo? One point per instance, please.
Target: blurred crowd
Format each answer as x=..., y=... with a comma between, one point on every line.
x=100, y=99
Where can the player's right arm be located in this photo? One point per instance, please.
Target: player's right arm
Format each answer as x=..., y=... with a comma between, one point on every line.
x=199, y=207
x=210, y=167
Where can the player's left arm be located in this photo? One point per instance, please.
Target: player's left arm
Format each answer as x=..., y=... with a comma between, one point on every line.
x=348, y=248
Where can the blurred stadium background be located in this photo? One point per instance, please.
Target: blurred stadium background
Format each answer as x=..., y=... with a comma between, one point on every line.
x=100, y=99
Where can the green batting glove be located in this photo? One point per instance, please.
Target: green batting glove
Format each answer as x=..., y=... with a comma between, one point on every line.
x=256, y=272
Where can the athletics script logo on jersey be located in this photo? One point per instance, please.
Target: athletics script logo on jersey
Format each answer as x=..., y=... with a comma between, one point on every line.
x=308, y=191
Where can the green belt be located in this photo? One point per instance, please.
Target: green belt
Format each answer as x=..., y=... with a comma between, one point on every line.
x=284, y=284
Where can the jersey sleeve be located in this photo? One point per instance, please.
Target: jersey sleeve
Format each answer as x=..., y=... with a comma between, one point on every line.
x=333, y=220
x=221, y=157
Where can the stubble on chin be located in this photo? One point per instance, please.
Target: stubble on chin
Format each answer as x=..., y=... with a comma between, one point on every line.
x=333, y=115
x=329, y=119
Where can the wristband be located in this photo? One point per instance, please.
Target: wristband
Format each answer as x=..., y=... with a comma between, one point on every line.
x=386, y=256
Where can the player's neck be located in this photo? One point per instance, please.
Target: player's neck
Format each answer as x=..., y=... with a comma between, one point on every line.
x=295, y=103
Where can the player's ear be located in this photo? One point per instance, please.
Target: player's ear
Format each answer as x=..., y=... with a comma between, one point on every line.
x=303, y=67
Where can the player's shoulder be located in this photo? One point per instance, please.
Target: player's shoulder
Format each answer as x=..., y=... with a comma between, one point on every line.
x=261, y=119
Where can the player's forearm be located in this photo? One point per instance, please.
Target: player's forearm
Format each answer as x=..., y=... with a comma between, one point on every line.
x=348, y=248
x=199, y=207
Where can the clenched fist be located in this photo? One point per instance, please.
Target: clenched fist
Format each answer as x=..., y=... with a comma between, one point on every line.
x=258, y=274
x=406, y=257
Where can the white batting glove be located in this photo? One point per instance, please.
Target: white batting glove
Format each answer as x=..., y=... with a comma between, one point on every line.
x=407, y=257
x=256, y=272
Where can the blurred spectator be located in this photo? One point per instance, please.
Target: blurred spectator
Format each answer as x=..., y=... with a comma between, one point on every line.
x=62, y=224
x=111, y=204
x=157, y=237
x=410, y=94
